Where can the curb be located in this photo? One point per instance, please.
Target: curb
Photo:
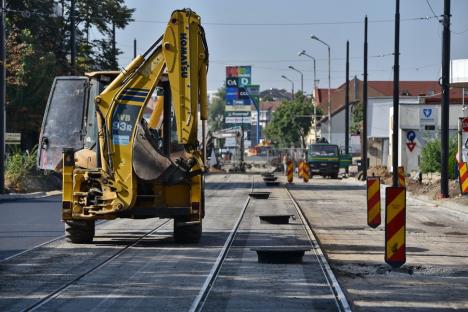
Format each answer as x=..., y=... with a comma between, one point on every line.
x=34, y=195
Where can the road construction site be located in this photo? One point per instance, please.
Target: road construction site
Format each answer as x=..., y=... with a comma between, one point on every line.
x=245, y=263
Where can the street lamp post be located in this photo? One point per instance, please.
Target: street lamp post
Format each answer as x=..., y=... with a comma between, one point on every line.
x=303, y=52
x=292, y=84
x=302, y=76
x=329, y=86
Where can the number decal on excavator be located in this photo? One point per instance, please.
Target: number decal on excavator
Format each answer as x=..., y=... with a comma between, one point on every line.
x=123, y=121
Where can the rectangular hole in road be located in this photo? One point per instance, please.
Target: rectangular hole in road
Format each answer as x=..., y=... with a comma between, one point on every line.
x=280, y=255
x=260, y=195
x=275, y=219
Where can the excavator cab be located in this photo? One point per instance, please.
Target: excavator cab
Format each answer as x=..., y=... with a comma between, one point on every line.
x=127, y=143
x=73, y=97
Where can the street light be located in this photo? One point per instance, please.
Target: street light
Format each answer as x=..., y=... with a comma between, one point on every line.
x=303, y=52
x=302, y=76
x=329, y=83
x=292, y=84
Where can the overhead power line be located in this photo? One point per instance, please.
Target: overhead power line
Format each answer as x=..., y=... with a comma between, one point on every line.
x=26, y=14
x=297, y=23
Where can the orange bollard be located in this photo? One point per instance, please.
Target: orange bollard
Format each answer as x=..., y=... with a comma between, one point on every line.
x=395, y=226
x=290, y=171
x=401, y=176
x=463, y=177
x=305, y=171
x=373, y=201
x=300, y=168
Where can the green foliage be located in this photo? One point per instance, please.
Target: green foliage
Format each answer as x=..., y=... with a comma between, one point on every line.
x=431, y=156
x=291, y=122
x=38, y=49
x=216, y=111
x=19, y=166
x=357, y=117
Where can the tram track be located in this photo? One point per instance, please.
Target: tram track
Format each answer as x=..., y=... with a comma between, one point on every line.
x=64, y=287
x=206, y=288
x=342, y=302
x=340, y=299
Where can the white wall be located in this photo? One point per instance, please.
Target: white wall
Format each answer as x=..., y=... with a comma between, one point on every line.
x=410, y=120
x=338, y=131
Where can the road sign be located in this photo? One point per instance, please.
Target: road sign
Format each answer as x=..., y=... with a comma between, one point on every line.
x=245, y=114
x=237, y=120
x=411, y=145
x=238, y=108
x=465, y=124
x=373, y=202
x=395, y=226
x=411, y=135
x=12, y=138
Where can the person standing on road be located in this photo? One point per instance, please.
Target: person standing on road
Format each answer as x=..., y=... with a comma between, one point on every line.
x=285, y=163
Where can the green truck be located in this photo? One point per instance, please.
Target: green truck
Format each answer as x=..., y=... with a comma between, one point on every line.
x=326, y=160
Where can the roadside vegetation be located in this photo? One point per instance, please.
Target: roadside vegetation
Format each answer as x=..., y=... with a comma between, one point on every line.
x=22, y=176
x=431, y=156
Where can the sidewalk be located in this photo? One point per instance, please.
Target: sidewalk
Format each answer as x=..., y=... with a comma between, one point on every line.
x=14, y=196
x=435, y=277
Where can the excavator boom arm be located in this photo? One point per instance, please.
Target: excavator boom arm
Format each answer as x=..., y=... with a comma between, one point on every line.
x=182, y=54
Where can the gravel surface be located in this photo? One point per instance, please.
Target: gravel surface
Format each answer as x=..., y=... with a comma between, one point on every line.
x=435, y=277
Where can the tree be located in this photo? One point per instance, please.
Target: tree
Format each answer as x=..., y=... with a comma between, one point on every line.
x=216, y=110
x=291, y=122
x=38, y=48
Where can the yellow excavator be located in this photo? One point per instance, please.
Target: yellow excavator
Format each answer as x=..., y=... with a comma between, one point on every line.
x=128, y=144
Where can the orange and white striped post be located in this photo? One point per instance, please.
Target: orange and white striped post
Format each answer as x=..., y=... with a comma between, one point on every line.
x=463, y=177
x=300, y=168
x=373, y=202
x=290, y=171
x=401, y=176
x=305, y=171
x=395, y=226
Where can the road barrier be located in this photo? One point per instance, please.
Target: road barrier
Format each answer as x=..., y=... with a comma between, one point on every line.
x=401, y=176
x=305, y=171
x=373, y=202
x=290, y=171
x=395, y=226
x=300, y=168
x=463, y=177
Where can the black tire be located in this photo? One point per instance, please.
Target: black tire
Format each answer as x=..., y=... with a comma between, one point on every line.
x=79, y=232
x=187, y=232
x=334, y=176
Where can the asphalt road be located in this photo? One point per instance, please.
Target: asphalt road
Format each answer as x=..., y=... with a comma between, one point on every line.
x=26, y=223
x=154, y=273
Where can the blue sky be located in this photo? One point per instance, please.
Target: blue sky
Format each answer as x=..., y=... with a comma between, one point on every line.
x=236, y=38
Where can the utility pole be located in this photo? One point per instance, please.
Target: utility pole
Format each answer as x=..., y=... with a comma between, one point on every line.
x=134, y=48
x=72, y=37
x=347, y=102
x=2, y=98
x=444, y=137
x=396, y=96
x=364, y=107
